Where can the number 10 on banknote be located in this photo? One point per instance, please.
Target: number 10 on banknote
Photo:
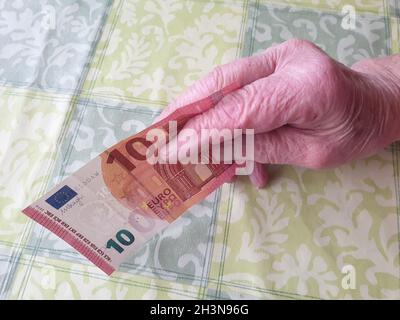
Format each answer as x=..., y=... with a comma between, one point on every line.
x=110, y=207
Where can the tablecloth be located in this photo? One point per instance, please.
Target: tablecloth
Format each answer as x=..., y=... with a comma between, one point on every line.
x=76, y=76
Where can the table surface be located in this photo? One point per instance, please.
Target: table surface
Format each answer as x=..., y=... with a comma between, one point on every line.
x=76, y=76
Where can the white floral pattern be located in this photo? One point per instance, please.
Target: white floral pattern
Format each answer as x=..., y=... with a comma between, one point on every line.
x=303, y=267
x=37, y=53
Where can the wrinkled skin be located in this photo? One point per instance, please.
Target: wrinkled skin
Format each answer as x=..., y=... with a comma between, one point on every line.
x=306, y=108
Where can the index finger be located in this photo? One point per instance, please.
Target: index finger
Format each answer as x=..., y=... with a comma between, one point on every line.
x=243, y=71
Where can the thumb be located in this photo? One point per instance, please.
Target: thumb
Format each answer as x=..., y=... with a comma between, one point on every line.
x=286, y=145
x=259, y=176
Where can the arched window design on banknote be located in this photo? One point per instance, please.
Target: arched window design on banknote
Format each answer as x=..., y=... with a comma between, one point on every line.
x=187, y=179
x=154, y=192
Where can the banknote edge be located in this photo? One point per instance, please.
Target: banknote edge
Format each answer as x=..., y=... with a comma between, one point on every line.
x=58, y=230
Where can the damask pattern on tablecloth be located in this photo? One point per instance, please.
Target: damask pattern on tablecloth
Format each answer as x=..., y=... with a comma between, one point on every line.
x=30, y=125
x=46, y=44
x=269, y=25
x=187, y=39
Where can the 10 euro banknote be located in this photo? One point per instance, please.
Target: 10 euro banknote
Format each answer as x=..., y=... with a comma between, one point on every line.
x=110, y=207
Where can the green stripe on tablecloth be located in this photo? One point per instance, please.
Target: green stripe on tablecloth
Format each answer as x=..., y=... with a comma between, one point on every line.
x=68, y=118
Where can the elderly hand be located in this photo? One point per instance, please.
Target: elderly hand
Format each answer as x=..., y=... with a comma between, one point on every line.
x=306, y=108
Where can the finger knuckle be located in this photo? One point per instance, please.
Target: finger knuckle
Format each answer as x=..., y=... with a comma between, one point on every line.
x=217, y=76
x=326, y=74
x=327, y=65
